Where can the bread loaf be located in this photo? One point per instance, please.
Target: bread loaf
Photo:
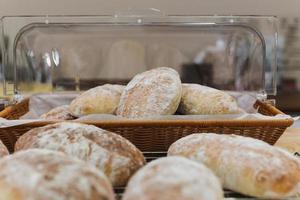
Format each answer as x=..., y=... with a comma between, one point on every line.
x=245, y=165
x=46, y=175
x=154, y=92
x=58, y=113
x=3, y=150
x=174, y=178
x=202, y=100
x=99, y=100
x=109, y=152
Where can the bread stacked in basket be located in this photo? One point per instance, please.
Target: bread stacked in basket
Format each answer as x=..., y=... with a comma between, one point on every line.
x=152, y=93
x=71, y=160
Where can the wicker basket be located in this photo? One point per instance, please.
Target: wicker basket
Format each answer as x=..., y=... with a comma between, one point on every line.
x=158, y=135
x=16, y=111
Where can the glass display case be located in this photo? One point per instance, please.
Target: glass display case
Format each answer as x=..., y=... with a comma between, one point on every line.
x=74, y=53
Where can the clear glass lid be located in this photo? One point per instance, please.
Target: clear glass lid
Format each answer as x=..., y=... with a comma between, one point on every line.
x=68, y=53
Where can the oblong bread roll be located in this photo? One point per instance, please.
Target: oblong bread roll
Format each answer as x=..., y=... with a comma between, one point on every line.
x=245, y=165
x=174, y=178
x=114, y=155
x=103, y=99
x=202, y=100
x=58, y=113
x=39, y=174
x=151, y=93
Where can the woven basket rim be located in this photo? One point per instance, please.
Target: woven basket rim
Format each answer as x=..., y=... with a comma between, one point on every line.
x=166, y=122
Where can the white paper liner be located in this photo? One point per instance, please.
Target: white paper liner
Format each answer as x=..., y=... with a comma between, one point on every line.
x=42, y=103
x=105, y=117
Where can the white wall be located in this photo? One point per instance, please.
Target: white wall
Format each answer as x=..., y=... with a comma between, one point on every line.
x=202, y=7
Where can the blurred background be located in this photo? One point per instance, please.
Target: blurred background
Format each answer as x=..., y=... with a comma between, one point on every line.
x=288, y=95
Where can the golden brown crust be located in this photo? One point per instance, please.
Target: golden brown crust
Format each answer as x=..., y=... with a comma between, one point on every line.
x=109, y=152
x=245, y=165
x=43, y=175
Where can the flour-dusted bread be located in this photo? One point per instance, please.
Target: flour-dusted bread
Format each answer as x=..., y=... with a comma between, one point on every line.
x=99, y=100
x=151, y=93
x=3, y=150
x=174, y=178
x=109, y=152
x=202, y=100
x=58, y=113
x=46, y=175
x=245, y=165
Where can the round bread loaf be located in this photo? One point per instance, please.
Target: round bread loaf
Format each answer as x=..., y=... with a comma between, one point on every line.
x=151, y=93
x=174, y=178
x=3, y=150
x=39, y=174
x=202, y=100
x=109, y=152
x=99, y=100
x=58, y=113
x=245, y=165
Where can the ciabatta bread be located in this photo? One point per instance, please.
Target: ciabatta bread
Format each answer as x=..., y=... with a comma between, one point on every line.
x=151, y=93
x=109, y=152
x=245, y=165
x=46, y=175
x=202, y=100
x=174, y=178
x=99, y=100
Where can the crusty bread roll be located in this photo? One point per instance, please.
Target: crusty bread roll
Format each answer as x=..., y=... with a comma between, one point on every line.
x=109, y=152
x=174, y=178
x=202, y=100
x=154, y=92
x=99, y=100
x=245, y=165
x=3, y=150
x=46, y=175
x=58, y=113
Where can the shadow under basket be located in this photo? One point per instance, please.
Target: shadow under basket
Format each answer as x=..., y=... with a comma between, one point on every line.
x=158, y=135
